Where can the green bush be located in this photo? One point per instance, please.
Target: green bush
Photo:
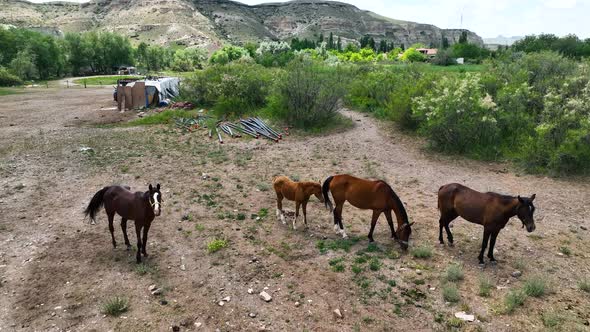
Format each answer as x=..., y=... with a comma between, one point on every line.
x=513, y=300
x=216, y=245
x=228, y=54
x=232, y=89
x=412, y=55
x=535, y=286
x=450, y=293
x=307, y=94
x=7, y=79
x=421, y=252
x=485, y=286
x=115, y=306
x=454, y=273
x=459, y=117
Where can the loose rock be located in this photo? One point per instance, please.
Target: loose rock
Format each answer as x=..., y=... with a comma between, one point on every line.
x=252, y=315
x=250, y=291
x=157, y=291
x=152, y=287
x=516, y=274
x=466, y=317
x=265, y=296
x=337, y=313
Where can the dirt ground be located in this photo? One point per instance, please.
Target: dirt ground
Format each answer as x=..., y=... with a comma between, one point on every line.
x=57, y=270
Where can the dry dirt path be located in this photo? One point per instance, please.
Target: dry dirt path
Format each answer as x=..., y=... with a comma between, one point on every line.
x=56, y=270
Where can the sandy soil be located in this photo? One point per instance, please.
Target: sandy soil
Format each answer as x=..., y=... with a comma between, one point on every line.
x=56, y=270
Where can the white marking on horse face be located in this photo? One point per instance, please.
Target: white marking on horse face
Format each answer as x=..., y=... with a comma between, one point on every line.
x=156, y=205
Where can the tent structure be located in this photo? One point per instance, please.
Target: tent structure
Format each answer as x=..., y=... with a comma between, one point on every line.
x=133, y=93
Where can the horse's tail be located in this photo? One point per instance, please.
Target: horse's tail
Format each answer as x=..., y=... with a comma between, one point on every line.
x=95, y=204
x=438, y=200
x=326, y=193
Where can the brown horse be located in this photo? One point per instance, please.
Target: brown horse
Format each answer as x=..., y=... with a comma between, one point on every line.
x=490, y=210
x=300, y=192
x=142, y=207
x=369, y=195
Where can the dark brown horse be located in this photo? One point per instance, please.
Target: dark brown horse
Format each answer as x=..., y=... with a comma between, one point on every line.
x=368, y=195
x=300, y=192
x=490, y=210
x=141, y=207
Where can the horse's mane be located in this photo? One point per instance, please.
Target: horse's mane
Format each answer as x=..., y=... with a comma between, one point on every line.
x=398, y=201
x=503, y=198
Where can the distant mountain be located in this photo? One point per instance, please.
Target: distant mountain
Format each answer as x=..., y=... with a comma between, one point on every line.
x=212, y=23
x=501, y=40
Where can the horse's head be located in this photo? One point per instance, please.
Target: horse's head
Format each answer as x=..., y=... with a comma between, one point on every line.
x=317, y=191
x=155, y=198
x=403, y=234
x=525, y=211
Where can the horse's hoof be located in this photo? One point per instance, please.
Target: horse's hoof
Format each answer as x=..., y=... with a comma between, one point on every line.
x=494, y=262
x=451, y=244
x=482, y=265
x=128, y=247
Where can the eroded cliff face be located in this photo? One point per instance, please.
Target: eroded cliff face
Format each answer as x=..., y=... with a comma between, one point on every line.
x=211, y=23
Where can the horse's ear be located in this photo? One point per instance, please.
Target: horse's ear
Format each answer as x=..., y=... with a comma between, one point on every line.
x=520, y=199
x=150, y=187
x=158, y=186
x=533, y=197
x=411, y=223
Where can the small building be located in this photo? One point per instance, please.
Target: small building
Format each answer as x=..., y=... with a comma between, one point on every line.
x=132, y=93
x=429, y=52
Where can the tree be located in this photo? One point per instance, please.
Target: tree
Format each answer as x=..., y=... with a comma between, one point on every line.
x=23, y=65
x=383, y=46
x=463, y=37
x=339, y=44
x=411, y=55
x=189, y=59
x=445, y=43
x=321, y=38
x=331, y=41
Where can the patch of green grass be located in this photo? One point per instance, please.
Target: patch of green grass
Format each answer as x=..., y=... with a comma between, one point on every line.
x=450, y=293
x=368, y=320
x=334, y=245
x=455, y=322
x=263, y=186
x=165, y=117
x=115, y=306
x=241, y=216
x=422, y=252
x=584, y=285
x=263, y=213
x=336, y=264
x=143, y=268
x=101, y=80
x=485, y=286
x=565, y=250
x=513, y=300
x=10, y=91
x=535, y=286
x=356, y=269
x=454, y=273
x=199, y=227
x=391, y=283
x=374, y=264
x=551, y=319
x=393, y=254
x=216, y=245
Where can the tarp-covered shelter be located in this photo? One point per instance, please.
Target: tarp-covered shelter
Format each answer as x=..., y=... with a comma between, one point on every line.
x=146, y=93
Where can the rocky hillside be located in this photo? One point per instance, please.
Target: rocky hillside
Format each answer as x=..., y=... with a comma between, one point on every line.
x=213, y=22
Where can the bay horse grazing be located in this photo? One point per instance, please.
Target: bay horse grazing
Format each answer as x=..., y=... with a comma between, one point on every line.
x=368, y=195
x=490, y=210
x=300, y=192
x=141, y=207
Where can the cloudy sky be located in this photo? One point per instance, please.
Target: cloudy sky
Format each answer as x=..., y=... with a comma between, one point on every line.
x=488, y=18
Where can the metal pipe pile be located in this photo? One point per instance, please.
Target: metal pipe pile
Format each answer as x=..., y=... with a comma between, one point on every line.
x=253, y=127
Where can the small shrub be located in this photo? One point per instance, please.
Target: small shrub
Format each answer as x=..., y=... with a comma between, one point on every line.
x=216, y=245
x=551, y=319
x=356, y=269
x=584, y=285
x=374, y=264
x=455, y=322
x=422, y=252
x=513, y=300
x=535, y=286
x=115, y=306
x=485, y=286
x=450, y=293
x=565, y=250
x=143, y=269
x=307, y=95
x=454, y=273
x=241, y=216
x=7, y=79
x=263, y=186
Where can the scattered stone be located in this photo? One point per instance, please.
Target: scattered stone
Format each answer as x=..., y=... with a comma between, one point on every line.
x=252, y=315
x=250, y=291
x=221, y=303
x=152, y=287
x=226, y=299
x=432, y=289
x=198, y=324
x=338, y=314
x=516, y=274
x=297, y=304
x=204, y=176
x=157, y=291
x=419, y=272
x=265, y=296
x=584, y=228
x=466, y=317
x=57, y=308
x=183, y=267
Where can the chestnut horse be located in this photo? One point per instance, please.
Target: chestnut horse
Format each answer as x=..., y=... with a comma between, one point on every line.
x=490, y=210
x=142, y=207
x=367, y=195
x=300, y=192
